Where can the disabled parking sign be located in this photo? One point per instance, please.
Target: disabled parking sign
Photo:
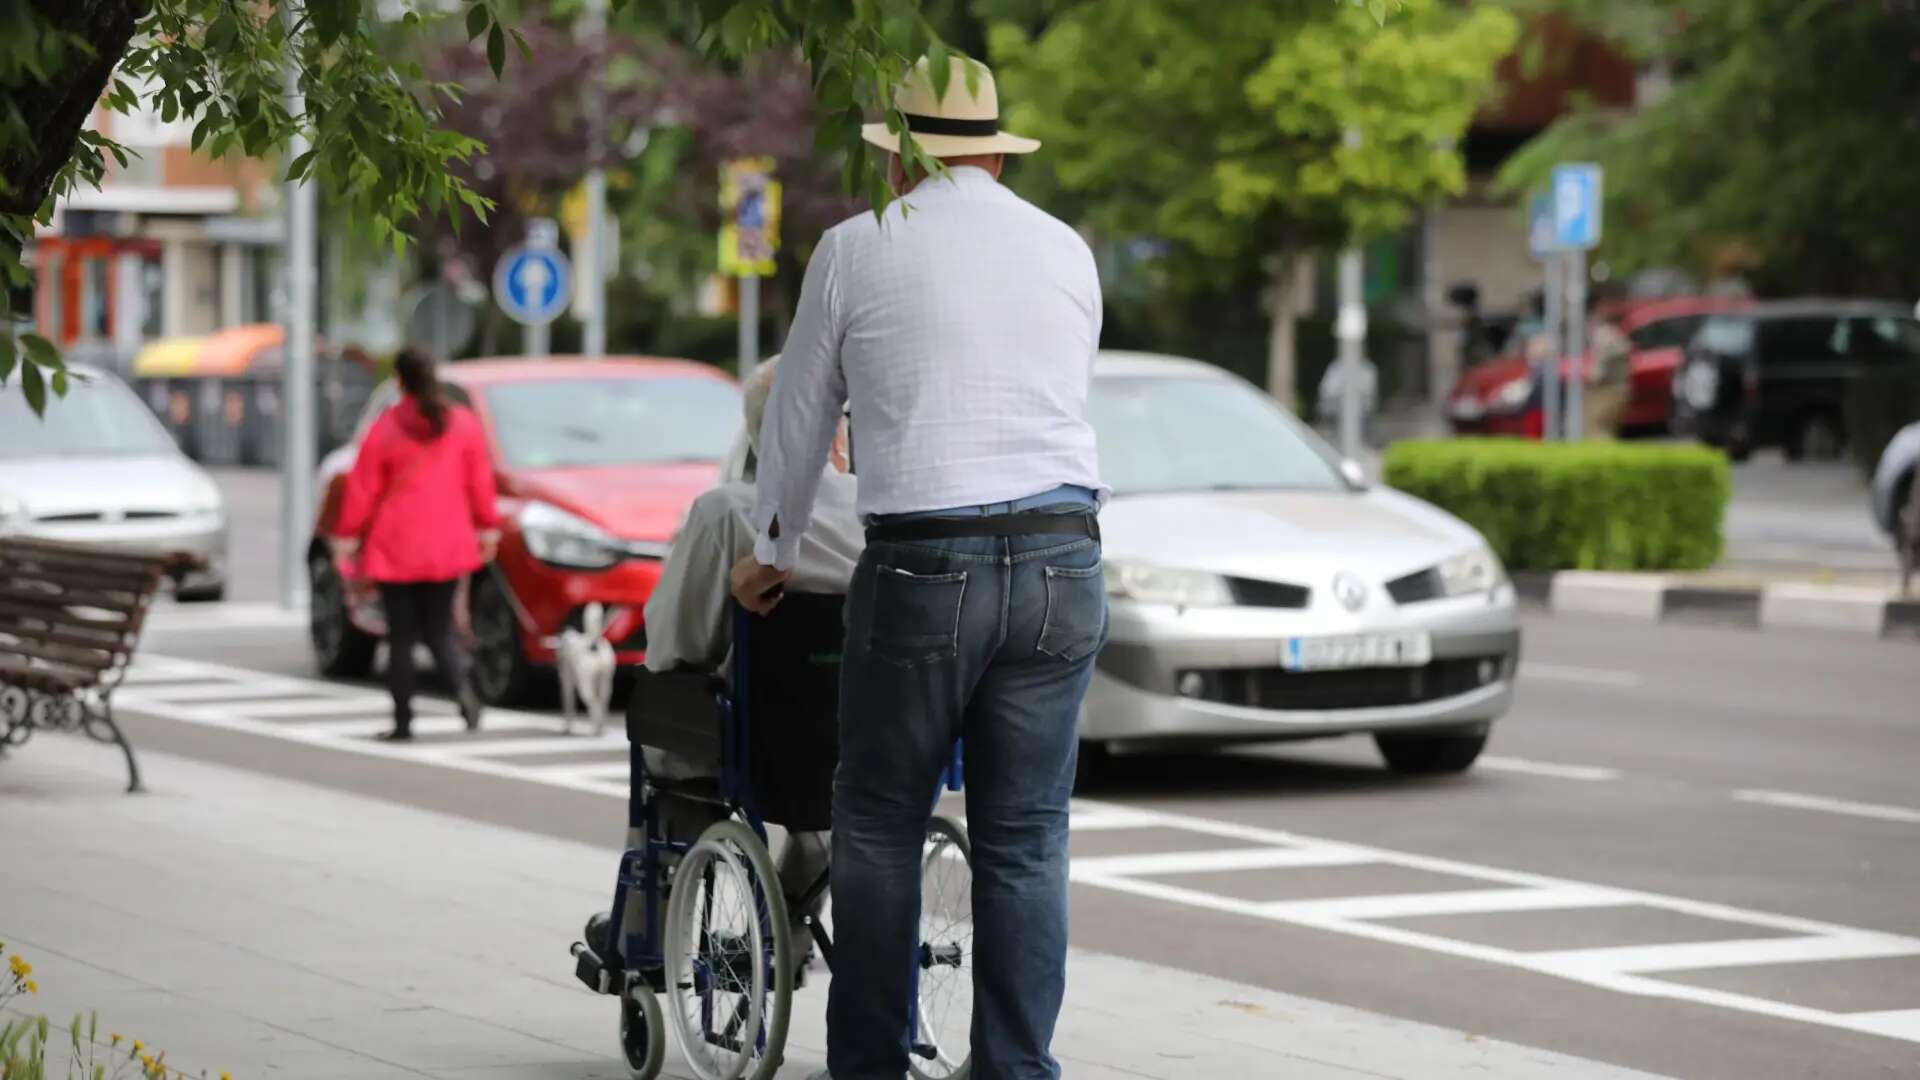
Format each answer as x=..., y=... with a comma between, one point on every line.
x=1576, y=207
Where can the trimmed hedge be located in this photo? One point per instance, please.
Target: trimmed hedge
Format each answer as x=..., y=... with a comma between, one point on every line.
x=1575, y=506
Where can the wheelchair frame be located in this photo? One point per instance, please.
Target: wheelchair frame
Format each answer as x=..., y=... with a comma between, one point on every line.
x=639, y=959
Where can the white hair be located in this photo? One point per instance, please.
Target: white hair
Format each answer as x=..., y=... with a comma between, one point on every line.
x=753, y=402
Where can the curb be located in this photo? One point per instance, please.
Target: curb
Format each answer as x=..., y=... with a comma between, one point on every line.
x=1655, y=598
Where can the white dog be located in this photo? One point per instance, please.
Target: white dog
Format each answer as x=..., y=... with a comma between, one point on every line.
x=586, y=662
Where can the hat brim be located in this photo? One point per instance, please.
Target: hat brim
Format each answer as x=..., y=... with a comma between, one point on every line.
x=946, y=146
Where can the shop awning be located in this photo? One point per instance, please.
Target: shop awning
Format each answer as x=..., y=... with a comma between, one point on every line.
x=168, y=357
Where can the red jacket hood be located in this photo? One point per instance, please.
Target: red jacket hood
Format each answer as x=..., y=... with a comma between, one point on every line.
x=413, y=422
x=635, y=502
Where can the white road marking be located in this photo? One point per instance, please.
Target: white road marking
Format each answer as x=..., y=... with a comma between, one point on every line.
x=1625, y=970
x=1628, y=969
x=1797, y=801
x=1168, y=863
x=1547, y=768
x=1569, y=673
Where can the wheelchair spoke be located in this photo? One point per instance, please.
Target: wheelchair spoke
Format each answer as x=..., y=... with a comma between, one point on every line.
x=944, y=1010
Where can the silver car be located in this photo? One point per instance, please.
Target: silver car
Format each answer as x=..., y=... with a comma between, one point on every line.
x=99, y=469
x=1261, y=590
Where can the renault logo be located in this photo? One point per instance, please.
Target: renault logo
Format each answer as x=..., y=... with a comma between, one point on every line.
x=1350, y=591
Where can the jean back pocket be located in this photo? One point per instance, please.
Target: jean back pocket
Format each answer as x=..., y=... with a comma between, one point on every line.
x=916, y=617
x=1076, y=619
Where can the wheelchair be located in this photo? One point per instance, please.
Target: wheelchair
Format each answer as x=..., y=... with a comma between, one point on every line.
x=714, y=935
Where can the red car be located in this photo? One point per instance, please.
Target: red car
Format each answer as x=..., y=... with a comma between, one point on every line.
x=1502, y=396
x=596, y=463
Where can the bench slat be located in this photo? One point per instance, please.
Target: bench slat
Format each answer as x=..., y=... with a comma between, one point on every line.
x=91, y=657
x=34, y=567
x=134, y=560
x=53, y=677
x=121, y=623
x=39, y=592
x=110, y=640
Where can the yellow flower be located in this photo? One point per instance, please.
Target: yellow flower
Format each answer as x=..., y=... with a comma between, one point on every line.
x=226, y=1075
x=32, y=987
x=116, y=1038
x=138, y=1046
x=21, y=969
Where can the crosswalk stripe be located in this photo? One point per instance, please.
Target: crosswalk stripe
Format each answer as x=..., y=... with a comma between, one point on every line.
x=1163, y=864
x=1460, y=902
x=1681, y=956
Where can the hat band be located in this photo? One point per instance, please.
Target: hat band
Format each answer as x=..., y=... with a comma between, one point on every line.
x=944, y=125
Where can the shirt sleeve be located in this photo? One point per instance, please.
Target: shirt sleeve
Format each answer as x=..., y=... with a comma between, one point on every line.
x=364, y=483
x=809, y=390
x=686, y=613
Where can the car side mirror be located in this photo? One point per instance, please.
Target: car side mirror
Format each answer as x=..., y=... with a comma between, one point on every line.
x=1355, y=475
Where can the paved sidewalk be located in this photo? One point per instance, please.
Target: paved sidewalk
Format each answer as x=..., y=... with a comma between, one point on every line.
x=278, y=930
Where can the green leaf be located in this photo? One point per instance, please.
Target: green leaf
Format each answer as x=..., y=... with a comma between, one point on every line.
x=477, y=19
x=299, y=166
x=60, y=390
x=34, y=385
x=942, y=67
x=520, y=43
x=41, y=351
x=7, y=358
x=496, y=50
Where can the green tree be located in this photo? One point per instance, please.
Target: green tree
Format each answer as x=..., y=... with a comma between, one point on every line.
x=1243, y=135
x=1785, y=149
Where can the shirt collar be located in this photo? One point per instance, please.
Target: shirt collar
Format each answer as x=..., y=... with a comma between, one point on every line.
x=960, y=176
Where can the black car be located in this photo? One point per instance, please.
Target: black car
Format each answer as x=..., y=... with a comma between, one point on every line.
x=1778, y=373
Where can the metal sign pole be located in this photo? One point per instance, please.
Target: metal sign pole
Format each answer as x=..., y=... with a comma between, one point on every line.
x=1350, y=326
x=749, y=326
x=1576, y=339
x=593, y=272
x=296, y=395
x=1550, y=368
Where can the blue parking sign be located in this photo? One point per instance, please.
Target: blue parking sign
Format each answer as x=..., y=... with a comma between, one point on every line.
x=1576, y=206
x=1540, y=239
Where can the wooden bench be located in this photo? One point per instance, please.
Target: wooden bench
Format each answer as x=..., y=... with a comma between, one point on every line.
x=70, y=617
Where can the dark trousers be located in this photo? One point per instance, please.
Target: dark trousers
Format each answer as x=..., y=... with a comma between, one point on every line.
x=419, y=611
x=992, y=639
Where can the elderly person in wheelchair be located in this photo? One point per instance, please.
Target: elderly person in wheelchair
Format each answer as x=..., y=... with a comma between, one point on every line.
x=734, y=727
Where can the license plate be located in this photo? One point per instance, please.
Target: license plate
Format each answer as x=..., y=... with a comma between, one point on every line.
x=1355, y=651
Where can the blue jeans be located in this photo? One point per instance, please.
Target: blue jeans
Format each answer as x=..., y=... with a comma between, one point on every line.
x=993, y=639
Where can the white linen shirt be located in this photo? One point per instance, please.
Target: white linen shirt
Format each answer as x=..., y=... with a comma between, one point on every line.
x=686, y=614
x=962, y=325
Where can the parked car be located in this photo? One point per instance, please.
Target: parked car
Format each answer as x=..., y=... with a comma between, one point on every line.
x=1777, y=374
x=596, y=462
x=1503, y=395
x=1262, y=592
x=97, y=468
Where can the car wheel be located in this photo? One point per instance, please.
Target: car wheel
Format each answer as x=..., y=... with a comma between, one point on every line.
x=502, y=674
x=202, y=594
x=342, y=649
x=1430, y=753
x=1739, y=452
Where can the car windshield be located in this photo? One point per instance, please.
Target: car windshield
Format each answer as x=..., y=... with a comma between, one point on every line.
x=572, y=423
x=1728, y=335
x=99, y=417
x=1174, y=433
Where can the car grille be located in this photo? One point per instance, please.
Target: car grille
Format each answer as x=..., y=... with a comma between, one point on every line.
x=1360, y=688
x=1250, y=592
x=1414, y=588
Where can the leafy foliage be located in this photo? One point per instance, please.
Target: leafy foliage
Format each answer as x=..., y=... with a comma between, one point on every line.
x=1784, y=151
x=1224, y=128
x=1586, y=506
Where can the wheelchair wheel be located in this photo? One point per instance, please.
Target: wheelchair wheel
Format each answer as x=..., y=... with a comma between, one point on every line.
x=943, y=1013
x=729, y=957
x=643, y=1031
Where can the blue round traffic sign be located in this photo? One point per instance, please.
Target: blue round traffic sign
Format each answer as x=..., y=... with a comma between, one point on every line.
x=533, y=285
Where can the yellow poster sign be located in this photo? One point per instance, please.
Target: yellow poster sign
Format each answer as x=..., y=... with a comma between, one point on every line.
x=750, y=230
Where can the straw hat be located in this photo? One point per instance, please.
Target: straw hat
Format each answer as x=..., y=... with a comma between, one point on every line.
x=959, y=124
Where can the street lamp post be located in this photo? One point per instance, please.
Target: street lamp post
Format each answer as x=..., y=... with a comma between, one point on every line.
x=593, y=269
x=296, y=395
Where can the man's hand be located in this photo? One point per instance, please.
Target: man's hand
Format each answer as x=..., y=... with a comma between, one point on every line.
x=756, y=586
x=489, y=546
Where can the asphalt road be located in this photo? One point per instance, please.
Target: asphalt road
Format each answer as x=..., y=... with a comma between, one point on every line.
x=1735, y=808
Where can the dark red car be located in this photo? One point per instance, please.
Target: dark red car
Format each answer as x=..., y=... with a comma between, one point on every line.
x=1503, y=397
x=596, y=463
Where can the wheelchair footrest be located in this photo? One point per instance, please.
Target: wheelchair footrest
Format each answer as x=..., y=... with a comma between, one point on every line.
x=594, y=972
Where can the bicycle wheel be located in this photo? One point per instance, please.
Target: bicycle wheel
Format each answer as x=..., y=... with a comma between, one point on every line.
x=943, y=1014
x=729, y=957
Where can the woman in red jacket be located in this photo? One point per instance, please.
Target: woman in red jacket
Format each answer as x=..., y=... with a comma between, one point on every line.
x=419, y=515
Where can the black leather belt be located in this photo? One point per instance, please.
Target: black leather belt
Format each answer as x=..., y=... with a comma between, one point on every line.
x=946, y=528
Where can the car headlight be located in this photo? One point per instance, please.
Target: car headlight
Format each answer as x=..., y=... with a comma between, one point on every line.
x=1163, y=585
x=1476, y=571
x=1513, y=394
x=555, y=536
